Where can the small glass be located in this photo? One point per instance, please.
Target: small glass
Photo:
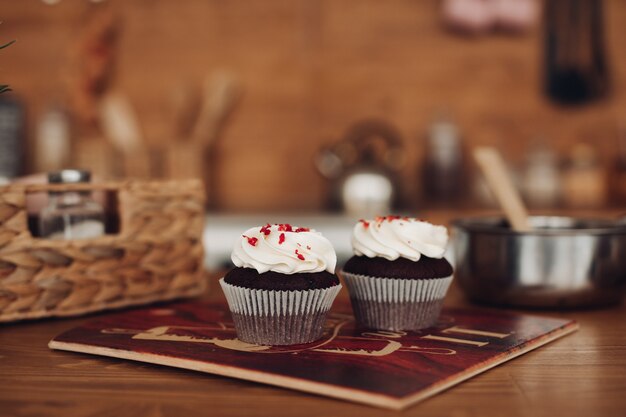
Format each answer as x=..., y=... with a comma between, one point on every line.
x=71, y=214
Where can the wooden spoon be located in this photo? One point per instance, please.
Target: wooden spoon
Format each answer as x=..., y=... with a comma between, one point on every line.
x=500, y=183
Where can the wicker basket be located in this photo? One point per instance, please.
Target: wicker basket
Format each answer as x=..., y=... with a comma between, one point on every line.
x=157, y=254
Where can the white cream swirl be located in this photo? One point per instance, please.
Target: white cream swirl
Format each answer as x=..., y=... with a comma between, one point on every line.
x=284, y=248
x=393, y=237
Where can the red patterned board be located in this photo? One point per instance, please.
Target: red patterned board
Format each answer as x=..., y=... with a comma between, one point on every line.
x=380, y=368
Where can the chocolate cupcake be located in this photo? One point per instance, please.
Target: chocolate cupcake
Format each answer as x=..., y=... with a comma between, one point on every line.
x=398, y=278
x=283, y=285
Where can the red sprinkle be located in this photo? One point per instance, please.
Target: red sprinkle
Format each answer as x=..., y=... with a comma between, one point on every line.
x=390, y=218
x=281, y=239
x=299, y=255
x=302, y=229
x=308, y=247
x=285, y=227
x=251, y=240
x=266, y=229
x=366, y=224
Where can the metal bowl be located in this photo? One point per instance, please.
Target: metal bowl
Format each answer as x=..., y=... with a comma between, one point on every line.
x=564, y=262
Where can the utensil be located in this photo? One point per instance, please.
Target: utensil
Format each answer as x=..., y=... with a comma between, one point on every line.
x=576, y=63
x=195, y=157
x=500, y=183
x=562, y=262
x=221, y=93
x=120, y=125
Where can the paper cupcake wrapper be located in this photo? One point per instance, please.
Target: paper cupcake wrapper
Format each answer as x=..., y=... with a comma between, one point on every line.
x=365, y=287
x=394, y=303
x=278, y=317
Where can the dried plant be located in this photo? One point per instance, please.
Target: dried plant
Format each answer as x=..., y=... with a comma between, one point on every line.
x=4, y=87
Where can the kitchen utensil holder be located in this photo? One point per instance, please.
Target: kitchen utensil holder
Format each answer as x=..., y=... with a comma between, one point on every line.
x=156, y=255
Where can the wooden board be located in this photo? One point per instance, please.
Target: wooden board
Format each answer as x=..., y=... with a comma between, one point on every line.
x=385, y=369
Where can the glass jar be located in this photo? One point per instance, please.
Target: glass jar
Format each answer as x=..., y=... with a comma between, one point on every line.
x=71, y=214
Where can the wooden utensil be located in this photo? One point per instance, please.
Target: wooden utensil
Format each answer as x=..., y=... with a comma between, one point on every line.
x=119, y=123
x=193, y=157
x=500, y=183
x=121, y=127
x=220, y=94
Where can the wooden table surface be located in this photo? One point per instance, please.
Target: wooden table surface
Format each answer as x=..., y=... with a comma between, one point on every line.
x=583, y=374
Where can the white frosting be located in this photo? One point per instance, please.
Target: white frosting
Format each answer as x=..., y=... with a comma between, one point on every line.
x=392, y=238
x=263, y=249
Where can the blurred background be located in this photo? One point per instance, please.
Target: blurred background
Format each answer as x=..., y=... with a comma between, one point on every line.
x=304, y=106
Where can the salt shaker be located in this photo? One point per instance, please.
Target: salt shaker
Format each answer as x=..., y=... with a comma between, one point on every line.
x=71, y=214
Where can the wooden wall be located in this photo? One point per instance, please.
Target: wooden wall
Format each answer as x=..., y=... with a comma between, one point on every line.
x=310, y=69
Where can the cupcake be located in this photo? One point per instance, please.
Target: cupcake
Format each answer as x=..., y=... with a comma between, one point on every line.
x=282, y=286
x=398, y=277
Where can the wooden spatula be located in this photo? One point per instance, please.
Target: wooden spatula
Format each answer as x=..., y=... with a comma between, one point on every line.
x=500, y=183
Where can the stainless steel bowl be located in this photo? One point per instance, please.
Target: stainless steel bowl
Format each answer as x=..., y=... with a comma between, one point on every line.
x=563, y=262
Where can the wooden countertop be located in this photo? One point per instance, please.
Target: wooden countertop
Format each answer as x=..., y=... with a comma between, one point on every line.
x=583, y=374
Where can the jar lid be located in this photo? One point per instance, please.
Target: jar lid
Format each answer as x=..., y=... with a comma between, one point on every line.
x=69, y=176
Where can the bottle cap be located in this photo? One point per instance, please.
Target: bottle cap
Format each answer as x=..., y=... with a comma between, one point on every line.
x=69, y=176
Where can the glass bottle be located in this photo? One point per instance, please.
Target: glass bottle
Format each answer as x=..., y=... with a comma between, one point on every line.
x=541, y=178
x=584, y=179
x=12, y=122
x=71, y=214
x=618, y=176
x=442, y=170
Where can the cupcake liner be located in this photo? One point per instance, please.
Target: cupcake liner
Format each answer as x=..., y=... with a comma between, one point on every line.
x=278, y=317
x=394, y=303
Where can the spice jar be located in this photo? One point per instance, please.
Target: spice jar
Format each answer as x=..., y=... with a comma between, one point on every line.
x=584, y=179
x=71, y=214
